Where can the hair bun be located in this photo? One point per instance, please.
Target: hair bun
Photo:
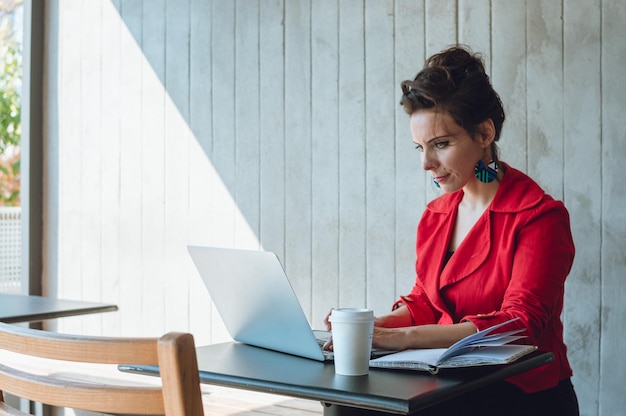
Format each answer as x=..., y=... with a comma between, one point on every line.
x=454, y=81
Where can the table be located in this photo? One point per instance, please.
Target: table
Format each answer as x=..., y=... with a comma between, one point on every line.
x=382, y=392
x=23, y=308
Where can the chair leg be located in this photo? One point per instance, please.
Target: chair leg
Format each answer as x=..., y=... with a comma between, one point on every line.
x=181, y=383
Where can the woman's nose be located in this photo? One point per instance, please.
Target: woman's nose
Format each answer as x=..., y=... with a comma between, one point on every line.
x=428, y=161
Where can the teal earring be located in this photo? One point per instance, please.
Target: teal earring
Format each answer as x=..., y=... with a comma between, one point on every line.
x=488, y=173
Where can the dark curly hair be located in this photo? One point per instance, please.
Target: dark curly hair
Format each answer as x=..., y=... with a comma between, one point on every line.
x=454, y=81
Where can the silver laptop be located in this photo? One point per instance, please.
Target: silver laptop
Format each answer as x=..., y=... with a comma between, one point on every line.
x=256, y=301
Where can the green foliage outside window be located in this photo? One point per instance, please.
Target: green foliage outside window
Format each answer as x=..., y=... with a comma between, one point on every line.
x=10, y=106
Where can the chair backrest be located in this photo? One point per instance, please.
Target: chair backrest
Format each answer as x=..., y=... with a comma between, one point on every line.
x=174, y=353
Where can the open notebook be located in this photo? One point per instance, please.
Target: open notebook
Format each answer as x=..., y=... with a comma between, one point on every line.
x=481, y=348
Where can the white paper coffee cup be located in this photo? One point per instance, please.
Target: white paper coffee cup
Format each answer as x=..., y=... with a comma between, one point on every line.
x=352, y=331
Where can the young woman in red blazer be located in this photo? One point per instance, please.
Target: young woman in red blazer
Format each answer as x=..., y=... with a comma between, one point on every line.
x=493, y=247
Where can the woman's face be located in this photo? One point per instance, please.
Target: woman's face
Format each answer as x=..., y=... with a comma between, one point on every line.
x=447, y=150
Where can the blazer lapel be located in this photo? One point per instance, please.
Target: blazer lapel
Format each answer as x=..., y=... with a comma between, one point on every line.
x=516, y=192
x=471, y=253
x=440, y=223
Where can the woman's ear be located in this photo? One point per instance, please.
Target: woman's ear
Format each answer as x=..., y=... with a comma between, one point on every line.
x=486, y=132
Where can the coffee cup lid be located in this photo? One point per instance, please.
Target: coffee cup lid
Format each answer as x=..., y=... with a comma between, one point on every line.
x=351, y=315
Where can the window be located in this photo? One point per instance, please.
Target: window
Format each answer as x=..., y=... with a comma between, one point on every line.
x=11, y=19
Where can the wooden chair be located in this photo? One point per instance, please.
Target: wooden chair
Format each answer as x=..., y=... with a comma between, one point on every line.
x=174, y=353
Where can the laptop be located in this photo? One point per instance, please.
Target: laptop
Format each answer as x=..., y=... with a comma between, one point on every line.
x=257, y=303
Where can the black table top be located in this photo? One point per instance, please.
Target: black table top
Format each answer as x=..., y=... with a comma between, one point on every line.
x=23, y=308
x=246, y=367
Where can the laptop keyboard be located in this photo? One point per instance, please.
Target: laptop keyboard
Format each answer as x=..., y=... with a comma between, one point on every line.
x=327, y=354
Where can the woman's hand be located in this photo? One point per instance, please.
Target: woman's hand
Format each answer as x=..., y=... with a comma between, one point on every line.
x=395, y=339
x=399, y=317
x=329, y=326
x=421, y=336
x=329, y=342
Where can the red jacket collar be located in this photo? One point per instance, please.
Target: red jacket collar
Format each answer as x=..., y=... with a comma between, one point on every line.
x=517, y=192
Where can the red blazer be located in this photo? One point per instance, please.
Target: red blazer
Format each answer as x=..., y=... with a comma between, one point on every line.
x=512, y=263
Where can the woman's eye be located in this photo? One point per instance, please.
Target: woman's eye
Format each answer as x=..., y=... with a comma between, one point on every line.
x=419, y=147
x=441, y=145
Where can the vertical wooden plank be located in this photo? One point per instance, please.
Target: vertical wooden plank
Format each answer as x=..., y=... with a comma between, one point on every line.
x=582, y=113
x=440, y=25
x=176, y=166
x=152, y=188
x=200, y=168
x=110, y=120
x=410, y=177
x=508, y=62
x=325, y=157
x=544, y=95
x=247, y=157
x=441, y=32
x=352, y=157
x=298, y=149
x=222, y=212
x=380, y=102
x=272, y=127
x=91, y=180
x=70, y=153
x=474, y=21
x=613, y=343
x=131, y=161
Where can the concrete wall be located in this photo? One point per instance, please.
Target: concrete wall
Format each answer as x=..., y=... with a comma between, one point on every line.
x=275, y=125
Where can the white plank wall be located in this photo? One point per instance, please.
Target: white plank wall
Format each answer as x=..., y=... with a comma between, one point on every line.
x=380, y=106
x=275, y=125
x=351, y=284
x=324, y=155
x=613, y=214
x=298, y=156
x=411, y=184
x=583, y=142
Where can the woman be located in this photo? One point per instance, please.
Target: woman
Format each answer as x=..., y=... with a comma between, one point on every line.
x=493, y=247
